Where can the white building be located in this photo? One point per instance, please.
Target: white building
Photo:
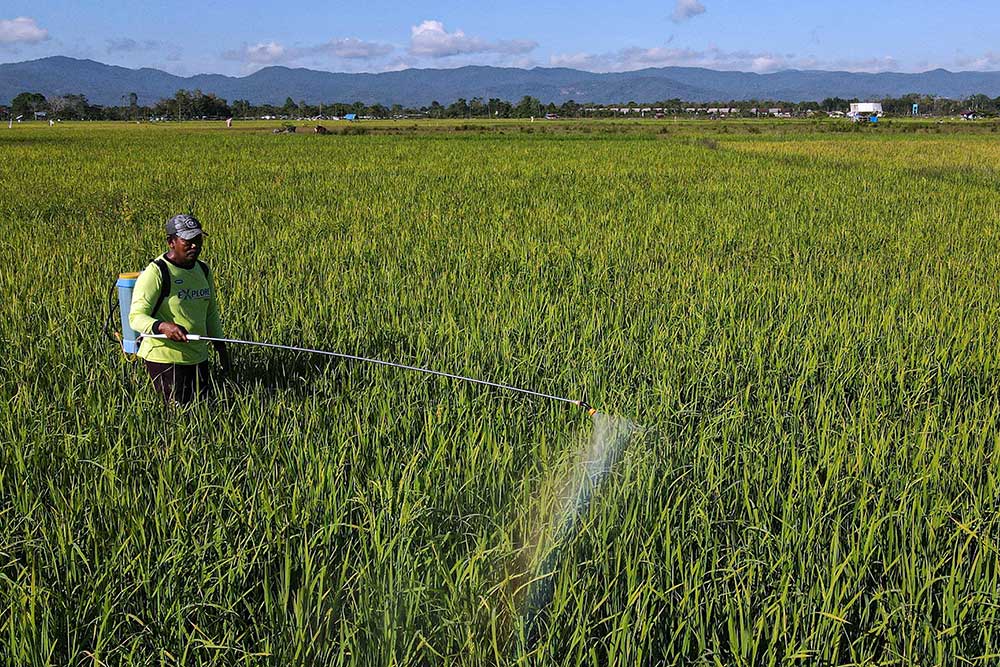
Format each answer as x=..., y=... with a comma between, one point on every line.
x=865, y=110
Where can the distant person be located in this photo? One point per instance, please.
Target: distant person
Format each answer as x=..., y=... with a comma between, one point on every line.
x=174, y=296
x=229, y=122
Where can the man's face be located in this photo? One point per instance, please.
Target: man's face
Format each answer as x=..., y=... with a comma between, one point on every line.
x=186, y=250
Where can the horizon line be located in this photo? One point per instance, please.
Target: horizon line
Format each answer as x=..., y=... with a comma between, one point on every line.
x=502, y=67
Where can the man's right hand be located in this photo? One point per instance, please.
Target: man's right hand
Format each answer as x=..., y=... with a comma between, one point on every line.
x=174, y=332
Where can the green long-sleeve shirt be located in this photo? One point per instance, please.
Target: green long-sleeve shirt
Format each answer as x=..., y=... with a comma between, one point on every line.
x=191, y=303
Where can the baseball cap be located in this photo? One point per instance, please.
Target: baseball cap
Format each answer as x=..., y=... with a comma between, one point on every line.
x=185, y=226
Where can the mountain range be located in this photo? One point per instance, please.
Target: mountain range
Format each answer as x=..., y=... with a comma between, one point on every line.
x=108, y=84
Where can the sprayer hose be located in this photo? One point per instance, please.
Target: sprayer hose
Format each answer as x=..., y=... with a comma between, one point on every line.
x=341, y=355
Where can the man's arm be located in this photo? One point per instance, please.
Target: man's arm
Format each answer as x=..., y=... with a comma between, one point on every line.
x=144, y=296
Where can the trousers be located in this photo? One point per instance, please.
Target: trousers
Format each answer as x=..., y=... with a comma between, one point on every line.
x=181, y=383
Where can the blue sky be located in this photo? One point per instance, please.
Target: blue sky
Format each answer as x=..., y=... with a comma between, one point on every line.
x=763, y=36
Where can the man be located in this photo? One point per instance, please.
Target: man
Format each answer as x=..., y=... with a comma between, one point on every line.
x=175, y=296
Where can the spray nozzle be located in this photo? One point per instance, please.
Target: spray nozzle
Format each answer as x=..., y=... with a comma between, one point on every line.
x=588, y=408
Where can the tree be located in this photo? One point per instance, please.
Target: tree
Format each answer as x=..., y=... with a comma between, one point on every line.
x=458, y=109
x=307, y=110
x=498, y=108
x=569, y=108
x=476, y=107
x=209, y=105
x=133, y=105
x=26, y=104
x=834, y=104
x=241, y=108
x=528, y=107
x=166, y=108
x=289, y=107
x=73, y=107
x=981, y=103
x=183, y=103
x=338, y=109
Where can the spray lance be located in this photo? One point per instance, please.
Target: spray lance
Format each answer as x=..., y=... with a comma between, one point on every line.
x=131, y=339
x=586, y=407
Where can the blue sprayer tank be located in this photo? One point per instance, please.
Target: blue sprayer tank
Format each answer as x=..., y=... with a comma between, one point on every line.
x=125, y=284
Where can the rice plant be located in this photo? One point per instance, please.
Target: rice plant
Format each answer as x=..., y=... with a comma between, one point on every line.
x=804, y=325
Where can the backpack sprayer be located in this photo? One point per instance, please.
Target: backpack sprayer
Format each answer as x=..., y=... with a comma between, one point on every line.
x=128, y=336
x=130, y=340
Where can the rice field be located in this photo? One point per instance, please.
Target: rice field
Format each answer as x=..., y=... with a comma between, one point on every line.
x=803, y=325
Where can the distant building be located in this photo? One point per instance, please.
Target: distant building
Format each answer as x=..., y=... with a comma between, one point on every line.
x=862, y=111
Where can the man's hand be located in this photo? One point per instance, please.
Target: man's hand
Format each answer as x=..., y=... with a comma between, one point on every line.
x=174, y=332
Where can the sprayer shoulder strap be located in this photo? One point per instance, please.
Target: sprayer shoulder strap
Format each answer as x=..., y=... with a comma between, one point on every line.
x=164, y=283
x=165, y=280
x=204, y=269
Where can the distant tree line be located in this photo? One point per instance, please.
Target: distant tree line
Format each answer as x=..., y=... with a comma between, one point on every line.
x=195, y=104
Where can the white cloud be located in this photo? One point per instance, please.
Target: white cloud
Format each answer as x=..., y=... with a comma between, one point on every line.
x=634, y=58
x=637, y=58
x=514, y=47
x=129, y=45
x=987, y=62
x=575, y=60
x=762, y=62
x=873, y=64
x=353, y=48
x=265, y=53
x=767, y=63
x=431, y=39
x=273, y=53
x=399, y=63
x=523, y=62
x=22, y=30
x=687, y=9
